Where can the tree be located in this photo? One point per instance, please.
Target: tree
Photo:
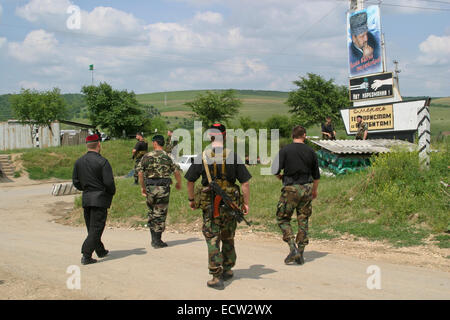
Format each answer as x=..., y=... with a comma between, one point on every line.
x=38, y=108
x=113, y=110
x=213, y=107
x=316, y=98
x=282, y=123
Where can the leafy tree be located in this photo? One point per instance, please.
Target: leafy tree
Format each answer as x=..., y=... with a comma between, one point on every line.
x=113, y=110
x=317, y=98
x=38, y=108
x=213, y=107
x=280, y=122
x=247, y=123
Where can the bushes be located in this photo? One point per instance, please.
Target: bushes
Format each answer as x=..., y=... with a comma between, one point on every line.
x=403, y=192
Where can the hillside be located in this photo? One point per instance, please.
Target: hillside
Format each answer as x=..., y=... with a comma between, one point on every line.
x=257, y=104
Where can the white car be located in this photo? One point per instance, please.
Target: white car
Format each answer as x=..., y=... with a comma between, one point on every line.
x=185, y=161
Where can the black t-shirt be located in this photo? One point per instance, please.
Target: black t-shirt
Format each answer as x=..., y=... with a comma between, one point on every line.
x=328, y=128
x=141, y=146
x=299, y=164
x=235, y=170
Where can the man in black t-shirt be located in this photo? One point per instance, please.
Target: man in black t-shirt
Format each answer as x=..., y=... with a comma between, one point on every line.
x=139, y=150
x=328, y=132
x=300, y=182
x=224, y=167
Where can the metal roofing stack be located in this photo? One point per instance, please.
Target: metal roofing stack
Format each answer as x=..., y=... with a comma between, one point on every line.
x=363, y=146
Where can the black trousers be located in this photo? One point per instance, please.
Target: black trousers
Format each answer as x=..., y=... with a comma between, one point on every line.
x=95, y=219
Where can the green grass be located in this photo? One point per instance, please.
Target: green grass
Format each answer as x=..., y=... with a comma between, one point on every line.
x=57, y=162
x=365, y=205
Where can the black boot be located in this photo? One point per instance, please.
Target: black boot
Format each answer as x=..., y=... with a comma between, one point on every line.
x=161, y=243
x=87, y=260
x=293, y=255
x=153, y=234
x=300, y=260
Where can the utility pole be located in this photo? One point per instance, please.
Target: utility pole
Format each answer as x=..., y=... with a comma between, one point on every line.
x=396, y=72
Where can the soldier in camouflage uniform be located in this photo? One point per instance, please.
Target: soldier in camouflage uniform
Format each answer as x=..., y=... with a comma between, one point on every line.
x=362, y=127
x=300, y=182
x=170, y=144
x=225, y=168
x=155, y=169
x=139, y=150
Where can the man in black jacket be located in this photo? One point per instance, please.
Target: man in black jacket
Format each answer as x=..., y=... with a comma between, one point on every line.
x=93, y=175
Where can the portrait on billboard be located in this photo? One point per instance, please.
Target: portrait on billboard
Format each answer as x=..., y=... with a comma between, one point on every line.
x=364, y=42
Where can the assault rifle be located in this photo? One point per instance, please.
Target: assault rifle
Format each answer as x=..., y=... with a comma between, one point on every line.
x=236, y=212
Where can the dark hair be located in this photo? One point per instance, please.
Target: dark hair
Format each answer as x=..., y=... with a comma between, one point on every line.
x=359, y=116
x=298, y=132
x=328, y=118
x=159, y=139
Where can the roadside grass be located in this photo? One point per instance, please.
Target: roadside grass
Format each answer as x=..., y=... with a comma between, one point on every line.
x=57, y=162
x=392, y=201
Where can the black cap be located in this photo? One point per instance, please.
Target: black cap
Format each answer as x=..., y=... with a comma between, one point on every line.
x=159, y=139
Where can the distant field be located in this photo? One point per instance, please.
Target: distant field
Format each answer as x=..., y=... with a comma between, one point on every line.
x=259, y=105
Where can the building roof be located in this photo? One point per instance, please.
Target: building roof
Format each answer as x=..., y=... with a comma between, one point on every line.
x=363, y=146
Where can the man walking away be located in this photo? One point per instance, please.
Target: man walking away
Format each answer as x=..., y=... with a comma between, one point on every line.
x=93, y=175
x=300, y=182
x=139, y=150
x=155, y=170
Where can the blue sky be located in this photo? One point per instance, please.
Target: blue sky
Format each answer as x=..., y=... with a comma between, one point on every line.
x=165, y=45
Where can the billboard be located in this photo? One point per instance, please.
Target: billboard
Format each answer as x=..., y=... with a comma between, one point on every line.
x=371, y=87
x=377, y=118
x=364, y=42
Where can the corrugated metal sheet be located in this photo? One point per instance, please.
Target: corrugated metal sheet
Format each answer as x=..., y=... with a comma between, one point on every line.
x=14, y=135
x=363, y=146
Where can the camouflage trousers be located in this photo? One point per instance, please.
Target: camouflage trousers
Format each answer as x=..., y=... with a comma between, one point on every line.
x=136, y=162
x=158, y=204
x=298, y=198
x=220, y=229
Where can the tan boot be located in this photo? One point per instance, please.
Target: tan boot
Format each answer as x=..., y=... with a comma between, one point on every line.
x=227, y=275
x=216, y=283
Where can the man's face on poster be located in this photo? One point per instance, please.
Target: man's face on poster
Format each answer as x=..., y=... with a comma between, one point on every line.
x=360, y=40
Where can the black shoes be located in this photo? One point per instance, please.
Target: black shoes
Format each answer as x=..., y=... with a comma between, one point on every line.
x=227, y=275
x=293, y=256
x=103, y=254
x=156, y=240
x=300, y=260
x=87, y=260
x=216, y=283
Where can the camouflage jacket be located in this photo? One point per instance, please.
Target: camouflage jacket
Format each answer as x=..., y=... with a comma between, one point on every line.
x=157, y=165
x=362, y=127
x=170, y=144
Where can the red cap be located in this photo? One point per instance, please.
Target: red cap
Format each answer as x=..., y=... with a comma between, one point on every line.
x=92, y=138
x=218, y=126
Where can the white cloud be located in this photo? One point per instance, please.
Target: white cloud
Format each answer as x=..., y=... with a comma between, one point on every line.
x=2, y=41
x=436, y=50
x=209, y=17
x=38, y=45
x=43, y=10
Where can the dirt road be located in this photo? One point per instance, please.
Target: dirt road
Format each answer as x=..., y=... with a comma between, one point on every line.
x=35, y=254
